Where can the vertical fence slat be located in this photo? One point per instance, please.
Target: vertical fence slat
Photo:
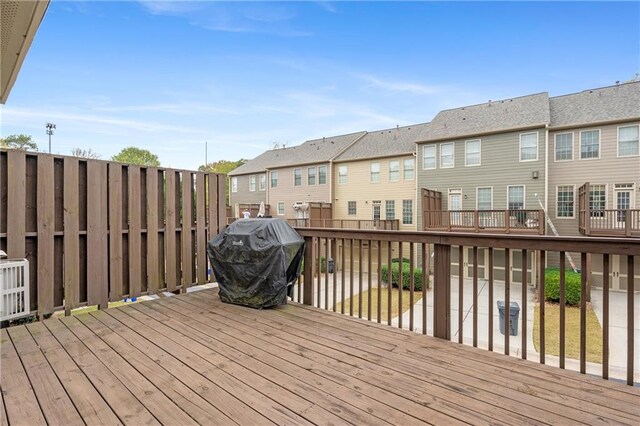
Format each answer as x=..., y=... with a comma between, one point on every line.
x=507, y=299
x=16, y=198
x=563, y=295
x=490, y=325
x=360, y=288
x=605, y=316
x=115, y=231
x=351, y=277
x=583, y=314
x=379, y=310
x=153, y=256
x=201, y=238
x=170, y=230
x=541, y=285
x=222, y=201
x=135, y=236
x=334, y=247
x=71, y=235
x=213, y=213
x=523, y=310
x=411, y=285
x=342, y=276
x=327, y=256
x=97, y=283
x=460, y=294
x=369, y=279
x=630, y=318
x=318, y=271
x=389, y=281
x=425, y=282
x=186, y=214
x=475, y=297
x=442, y=291
x=46, y=223
x=308, y=271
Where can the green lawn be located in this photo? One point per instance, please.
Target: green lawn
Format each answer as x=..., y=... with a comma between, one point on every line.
x=374, y=303
x=572, y=332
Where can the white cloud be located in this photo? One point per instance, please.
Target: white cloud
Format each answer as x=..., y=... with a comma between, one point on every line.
x=400, y=86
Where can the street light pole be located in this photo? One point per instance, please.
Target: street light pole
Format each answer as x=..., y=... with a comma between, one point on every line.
x=50, y=127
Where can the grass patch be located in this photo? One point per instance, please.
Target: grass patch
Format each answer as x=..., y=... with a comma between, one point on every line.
x=374, y=303
x=572, y=332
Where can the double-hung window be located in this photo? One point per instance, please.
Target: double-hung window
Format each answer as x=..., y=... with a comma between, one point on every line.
x=428, y=157
x=589, y=144
x=375, y=172
x=597, y=199
x=394, y=171
x=351, y=208
x=322, y=175
x=628, y=141
x=297, y=177
x=515, y=197
x=564, y=147
x=234, y=184
x=529, y=146
x=447, y=155
x=472, y=153
x=280, y=208
x=409, y=167
x=274, y=179
x=390, y=209
x=252, y=183
x=311, y=176
x=485, y=198
x=263, y=182
x=564, y=201
x=407, y=212
x=342, y=175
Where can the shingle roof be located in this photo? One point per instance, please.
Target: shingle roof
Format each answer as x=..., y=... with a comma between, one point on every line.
x=597, y=105
x=384, y=143
x=521, y=112
x=312, y=151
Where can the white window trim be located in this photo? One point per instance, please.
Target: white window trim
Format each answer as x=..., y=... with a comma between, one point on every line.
x=253, y=178
x=478, y=198
x=537, y=147
x=435, y=157
x=346, y=173
x=301, y=177
x=453, y=155
x=573, y=213
x=234, y=184
x=479, y=153
x=606, y=193
x=326, y=175
x=371, y=172
x=315, y=175
x=414, y=169
x=278, y=208
x=271, y=179
x=399, y=171
x=260, y=187
x=599, y=145
x=524, y=195
x=555, y=142
x=618, y=141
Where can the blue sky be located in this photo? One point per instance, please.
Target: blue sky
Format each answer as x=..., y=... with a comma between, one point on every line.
x=168, y=76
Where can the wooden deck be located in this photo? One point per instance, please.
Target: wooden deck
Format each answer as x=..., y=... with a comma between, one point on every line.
x=191, y=359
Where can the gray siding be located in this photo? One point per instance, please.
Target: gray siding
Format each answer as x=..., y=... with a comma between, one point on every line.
x=244, y=196
x=500, y=167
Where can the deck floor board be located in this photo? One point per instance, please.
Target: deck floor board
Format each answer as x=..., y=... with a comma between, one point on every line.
x=190, y=359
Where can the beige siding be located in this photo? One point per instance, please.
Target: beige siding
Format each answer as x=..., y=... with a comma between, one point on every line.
x=500, y=167
x=360, y=189
x=609, y=170
x=289, y=194
x=244, y=195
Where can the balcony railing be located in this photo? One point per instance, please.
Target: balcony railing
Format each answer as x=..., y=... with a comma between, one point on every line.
x=610, y=222
x=498, y=221
x=361, y=257
x=346, y=224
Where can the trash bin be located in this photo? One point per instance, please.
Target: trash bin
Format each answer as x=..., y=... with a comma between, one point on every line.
x=331, y=265
x=255, y=260
x=514, y=313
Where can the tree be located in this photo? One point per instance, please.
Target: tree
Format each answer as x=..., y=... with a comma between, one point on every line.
x=85, y=153
x=133, y=155
x=222, y=166
x=23, y=142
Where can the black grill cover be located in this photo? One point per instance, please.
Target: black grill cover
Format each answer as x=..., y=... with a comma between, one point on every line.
x=254, y=260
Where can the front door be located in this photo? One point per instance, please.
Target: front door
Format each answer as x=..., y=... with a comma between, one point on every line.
x=623, y=200
x=455, y=204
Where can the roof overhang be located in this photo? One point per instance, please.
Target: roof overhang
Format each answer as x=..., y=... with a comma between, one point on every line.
x=19, y=22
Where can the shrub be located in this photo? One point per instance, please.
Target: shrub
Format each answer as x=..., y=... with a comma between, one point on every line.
x=406, y=280
x=552, y=286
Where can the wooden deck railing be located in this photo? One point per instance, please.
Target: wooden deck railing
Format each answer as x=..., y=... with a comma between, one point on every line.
x=610, y=222
x=361, y=257
x=97, y=231
x=499, y=221
x=345, y=223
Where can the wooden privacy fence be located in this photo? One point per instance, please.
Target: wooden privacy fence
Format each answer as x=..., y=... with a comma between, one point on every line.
x=97, y=231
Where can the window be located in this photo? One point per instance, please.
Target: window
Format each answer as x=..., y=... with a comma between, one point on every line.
x=394, y=171
x=564, y=146
x=515, y=197
x=234, y=184
x=274, y=179
x=322, y=175
x=529, y=147
x=590, y=144
x=342, y=175
x=485, y=198
x=376, y=210
x=446, y=155
x=429, y=157
x=628, y=141
x=564, y=201
x=297, y=177
x=409, y=169
x=390, y=209
x=375, y=172
x=311, y=176
x=597, y=200
x=351, y=208
x=472, y=153
x=252, y=183
x=280, y=208
x=263, y=182
x=407, y=212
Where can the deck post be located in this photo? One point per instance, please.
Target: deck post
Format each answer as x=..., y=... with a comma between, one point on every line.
x=442, y=291
x=307, y=295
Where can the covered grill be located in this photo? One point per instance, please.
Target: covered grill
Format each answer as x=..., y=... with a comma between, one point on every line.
x=254, y=260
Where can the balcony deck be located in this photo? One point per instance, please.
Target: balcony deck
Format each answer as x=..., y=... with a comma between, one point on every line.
x=191, y=359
